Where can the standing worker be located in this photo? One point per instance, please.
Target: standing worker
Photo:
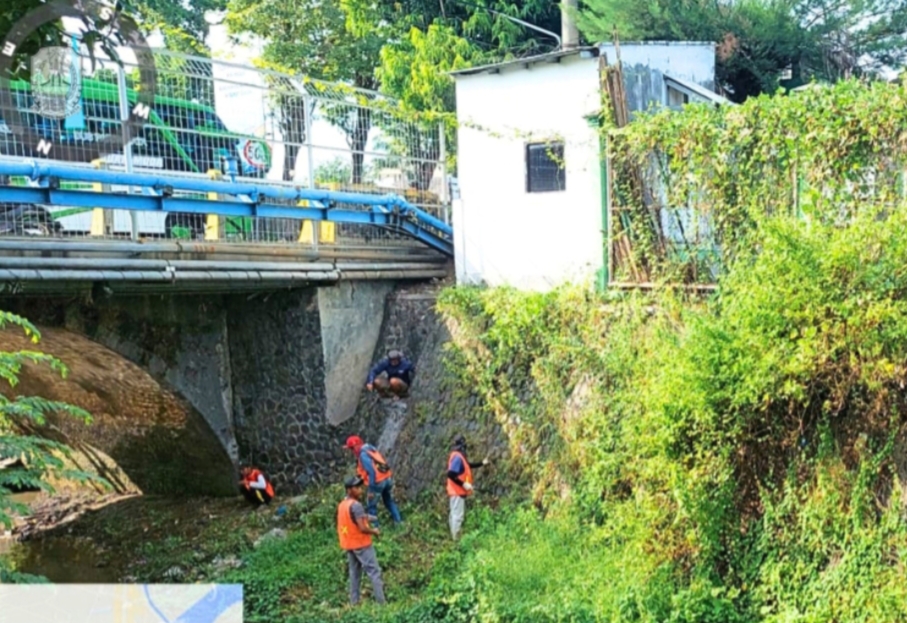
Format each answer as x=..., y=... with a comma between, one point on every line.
x=355, y=536
x=391, y=376
x=377, y=475
x=459, y=483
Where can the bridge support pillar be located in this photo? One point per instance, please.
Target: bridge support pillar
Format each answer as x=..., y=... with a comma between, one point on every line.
x=351, y=314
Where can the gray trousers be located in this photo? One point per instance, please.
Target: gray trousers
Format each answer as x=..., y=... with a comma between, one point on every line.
x=364, y=559
x=457, y=513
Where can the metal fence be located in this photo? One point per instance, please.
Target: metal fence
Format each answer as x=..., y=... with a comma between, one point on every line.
x=681, y=222
x=278, y=129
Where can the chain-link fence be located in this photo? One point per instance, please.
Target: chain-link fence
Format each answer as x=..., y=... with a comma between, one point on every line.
x=213, y=119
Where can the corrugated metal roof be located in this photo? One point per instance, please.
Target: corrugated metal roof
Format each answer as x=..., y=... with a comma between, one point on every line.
x=695, y=90
x=550, y=57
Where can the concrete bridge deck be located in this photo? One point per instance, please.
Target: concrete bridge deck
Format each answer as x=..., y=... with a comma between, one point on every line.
x=35, y=266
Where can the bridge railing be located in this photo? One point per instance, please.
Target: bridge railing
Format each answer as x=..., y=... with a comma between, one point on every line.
x=283, y=131
x=219, y=205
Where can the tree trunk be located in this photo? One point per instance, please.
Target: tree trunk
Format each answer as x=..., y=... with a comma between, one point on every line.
x=292, y=112
x=358, y=141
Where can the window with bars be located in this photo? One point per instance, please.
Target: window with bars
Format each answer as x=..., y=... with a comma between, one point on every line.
x=545, y=167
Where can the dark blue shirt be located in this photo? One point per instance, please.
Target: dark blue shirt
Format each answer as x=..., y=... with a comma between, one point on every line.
x=402, y=371
x=456, y=465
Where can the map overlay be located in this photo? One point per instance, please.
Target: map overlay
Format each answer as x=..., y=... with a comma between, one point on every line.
x=121, y=603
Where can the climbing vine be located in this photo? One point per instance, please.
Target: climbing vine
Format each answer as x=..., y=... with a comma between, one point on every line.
x=708, y=176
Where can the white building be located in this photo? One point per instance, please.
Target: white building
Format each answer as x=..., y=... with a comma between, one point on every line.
x=531, y=209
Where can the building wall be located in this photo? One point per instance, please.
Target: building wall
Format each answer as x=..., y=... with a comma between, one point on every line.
x=645, y=65
x=505, y=235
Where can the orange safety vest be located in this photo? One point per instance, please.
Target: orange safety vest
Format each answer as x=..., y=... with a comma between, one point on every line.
x=452, y=487
x=379, y=475
x=253, y=476
x=351, y=537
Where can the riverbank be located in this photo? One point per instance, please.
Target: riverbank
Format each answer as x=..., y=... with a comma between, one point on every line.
x=289, y=562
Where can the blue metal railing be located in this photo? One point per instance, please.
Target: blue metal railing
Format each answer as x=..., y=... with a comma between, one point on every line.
x=235, y=199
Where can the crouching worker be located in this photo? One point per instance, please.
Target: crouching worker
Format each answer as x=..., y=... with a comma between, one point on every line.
x=255, y=487
x=391, y=376
x=356, y=540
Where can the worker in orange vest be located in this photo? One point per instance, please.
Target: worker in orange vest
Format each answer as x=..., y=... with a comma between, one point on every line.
x=255, y=487
x=459, y=483
x=377, y=475
x=355, y=536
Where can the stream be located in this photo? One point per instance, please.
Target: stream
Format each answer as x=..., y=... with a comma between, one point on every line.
x=59, y=558
x=113, y=538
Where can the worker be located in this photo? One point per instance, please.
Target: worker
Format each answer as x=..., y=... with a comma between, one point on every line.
x=355, y=535
x=459, y=483
x=391, y=376
x=377, y=475
x=255, y=487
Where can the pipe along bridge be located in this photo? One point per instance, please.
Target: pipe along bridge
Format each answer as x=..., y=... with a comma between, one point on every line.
x=57, y=233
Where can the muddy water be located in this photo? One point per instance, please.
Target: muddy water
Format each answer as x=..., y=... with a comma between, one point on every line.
x=58, y=558
x=61, y=559
x=121, y=538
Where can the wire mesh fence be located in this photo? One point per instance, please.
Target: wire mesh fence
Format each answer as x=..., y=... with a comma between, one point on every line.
x=678, y=220
x=212, y=119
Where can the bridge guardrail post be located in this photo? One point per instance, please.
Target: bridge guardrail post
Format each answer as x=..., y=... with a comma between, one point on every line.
x=214, y=224
x=442, y=160
x=101, y=219
x=327, y=229
x=306, y=228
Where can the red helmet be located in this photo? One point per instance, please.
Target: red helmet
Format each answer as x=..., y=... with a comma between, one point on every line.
x=354, y=441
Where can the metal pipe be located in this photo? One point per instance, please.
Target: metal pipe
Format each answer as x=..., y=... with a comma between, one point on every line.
x=12, y=274
x=70, y=263
x=35, y=170
x=408, y=208
x=67, y=246
x=104, y=263
x=344, y=266
x=394, y=274
x=26, y=274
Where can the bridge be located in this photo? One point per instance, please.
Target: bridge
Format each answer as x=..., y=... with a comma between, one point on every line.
x=238, y=179
x=220, y=284
x=423, y=242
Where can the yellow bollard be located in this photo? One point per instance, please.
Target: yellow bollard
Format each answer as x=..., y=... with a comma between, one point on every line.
x=98, y=220
x=306, y=231
x=326, y=232
x=213, y=222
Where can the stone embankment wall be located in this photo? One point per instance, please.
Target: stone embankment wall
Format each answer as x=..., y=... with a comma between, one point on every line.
x=184, y=388
x=239, y=379
x=181, y=382
x=415, y=433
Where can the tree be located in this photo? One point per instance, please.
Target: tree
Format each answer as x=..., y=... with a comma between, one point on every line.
x=313, y=38
x=759, y=39
x=97, y=34
x=183, y=23
x=29, y=458
x=426, y=39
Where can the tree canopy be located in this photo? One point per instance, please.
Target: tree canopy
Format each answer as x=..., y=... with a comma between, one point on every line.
x=759, y=40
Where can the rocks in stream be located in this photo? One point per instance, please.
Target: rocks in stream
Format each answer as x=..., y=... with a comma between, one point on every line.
x=174, y=573
x=276, y=533
x=224, y=563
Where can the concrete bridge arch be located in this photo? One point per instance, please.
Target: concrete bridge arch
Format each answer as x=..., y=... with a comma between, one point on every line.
x=184, y=387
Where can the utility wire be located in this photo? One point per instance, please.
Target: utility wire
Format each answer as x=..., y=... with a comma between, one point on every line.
x=560, y=43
